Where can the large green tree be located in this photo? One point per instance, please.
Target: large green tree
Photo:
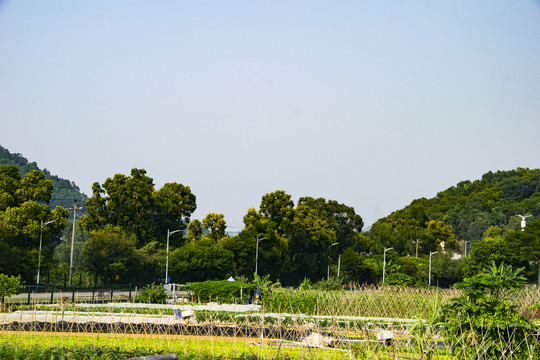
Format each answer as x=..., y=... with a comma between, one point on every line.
x=524, y=245
x=215, y=225
x=153, y=258
x=277, y=207
x=296, y=242
x=310, y=244
x=273, y=247
x=111, y=253
x=203, y=260
x=344, y=220
x=23, y=208
x=531, y=243
x=132, y=203
x=402, y=234
x=205, y=256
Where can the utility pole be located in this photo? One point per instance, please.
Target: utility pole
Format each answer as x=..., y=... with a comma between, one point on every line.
x=384, y=263
x=74, y=208
x=328, y=271
x=257, y=254
x=417, y=242
x=430, y=254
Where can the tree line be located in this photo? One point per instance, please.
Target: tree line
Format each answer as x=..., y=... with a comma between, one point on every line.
x=123, y=235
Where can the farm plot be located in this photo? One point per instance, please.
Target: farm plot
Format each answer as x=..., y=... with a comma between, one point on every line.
x=328, y=327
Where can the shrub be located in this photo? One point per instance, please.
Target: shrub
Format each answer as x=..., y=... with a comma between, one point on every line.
x=483, y=321
x=151, y=294
x=9, y=285
x=223, y=290
x=333, y=283
x=400, y=279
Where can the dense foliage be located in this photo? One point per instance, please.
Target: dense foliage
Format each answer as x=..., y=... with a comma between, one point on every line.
x=9, y=285
x=481, y=218
x=223, y=291
x=470, y=208
x=132, y=203
x=64, y=191
x=111, y=253
x=485, y=314
x=23, y=209
x=151, y=294
x=294, y=242
x=123, y=236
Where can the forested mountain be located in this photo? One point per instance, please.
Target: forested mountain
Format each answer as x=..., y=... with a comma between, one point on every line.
x=64, y=191
x=472, y=207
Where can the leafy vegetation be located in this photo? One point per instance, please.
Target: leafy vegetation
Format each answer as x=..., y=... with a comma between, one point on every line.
x=131, y=230
x=111, y=252
x=469, y=208
x=87, y=350
x=151, y=294
x=23, y=210
x=12, y=352
x=9, y=285
x=64, y=191
x=223, y=291
x=132, y=203
x=119, y=346
x=484, y=313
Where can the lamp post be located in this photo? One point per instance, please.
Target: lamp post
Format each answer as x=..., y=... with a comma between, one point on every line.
x=328, y=271
x=74, y=208
x=39, y=256
x=167, y=263
x=430, y=253
x=384, y=263
x=257, y=254
x=523, y=220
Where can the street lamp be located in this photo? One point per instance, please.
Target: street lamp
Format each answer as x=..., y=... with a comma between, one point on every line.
x=39, y=256
x=430, y=253
x=74, y=208
x=257, y=253
x=384, y=263
x=328, y=271
x=167, y=263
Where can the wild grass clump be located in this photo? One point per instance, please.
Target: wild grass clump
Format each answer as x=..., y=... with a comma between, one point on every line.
x=383, y=302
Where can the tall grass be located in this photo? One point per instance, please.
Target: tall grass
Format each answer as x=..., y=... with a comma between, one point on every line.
x=375, y=301
x=390, y=302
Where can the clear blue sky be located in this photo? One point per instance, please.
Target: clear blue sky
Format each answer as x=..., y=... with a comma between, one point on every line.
x=370, y=103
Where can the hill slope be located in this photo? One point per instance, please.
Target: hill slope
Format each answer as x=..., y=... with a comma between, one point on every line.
x=64, y=191
x=471, y=207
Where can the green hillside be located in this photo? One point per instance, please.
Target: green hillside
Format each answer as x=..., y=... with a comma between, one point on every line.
x=64, y=191
x=472, y=207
